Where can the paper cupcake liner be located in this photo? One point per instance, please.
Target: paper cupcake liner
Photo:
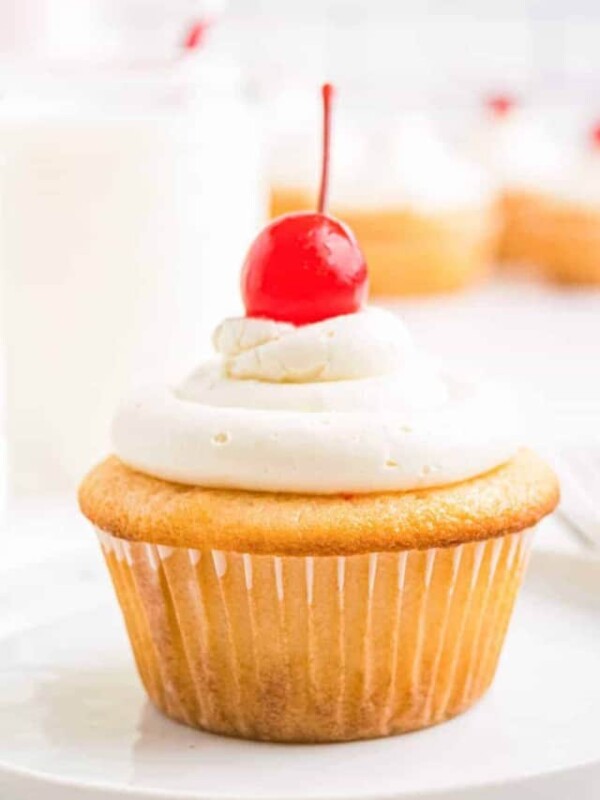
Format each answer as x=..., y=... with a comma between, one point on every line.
x=320, y=648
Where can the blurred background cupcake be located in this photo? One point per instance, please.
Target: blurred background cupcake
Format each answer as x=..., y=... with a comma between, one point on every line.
x=516, y=148
x=567, y=231
x=423, y=214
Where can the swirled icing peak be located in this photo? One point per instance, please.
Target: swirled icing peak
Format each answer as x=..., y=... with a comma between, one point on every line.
x=348, y=347
x=347, y=404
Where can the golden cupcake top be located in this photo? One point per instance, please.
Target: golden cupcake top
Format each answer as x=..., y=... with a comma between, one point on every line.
x=138, y=507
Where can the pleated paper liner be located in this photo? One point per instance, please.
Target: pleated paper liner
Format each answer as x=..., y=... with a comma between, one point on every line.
x=316, y=649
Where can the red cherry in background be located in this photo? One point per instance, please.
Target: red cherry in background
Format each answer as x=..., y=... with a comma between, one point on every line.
x=595, y=136
x=306, y=267
x=195, y=35
x=500, y=104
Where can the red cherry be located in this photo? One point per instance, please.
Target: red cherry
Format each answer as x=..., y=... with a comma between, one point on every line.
x=500, y=104
x=595, y=135
x=303, y=268
x=307, y=266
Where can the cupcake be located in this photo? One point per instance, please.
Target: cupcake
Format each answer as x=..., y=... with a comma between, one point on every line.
x=522, y=160
x=424, y=216
x=566, y=233
x=317, y=536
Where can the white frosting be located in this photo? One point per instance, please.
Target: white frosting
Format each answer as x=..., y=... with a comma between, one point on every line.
x=518, y=152
x=411, y=167
x=342, y=348
x=406, y=165
x=294, y=157
x=581, y=186
x=344, y=405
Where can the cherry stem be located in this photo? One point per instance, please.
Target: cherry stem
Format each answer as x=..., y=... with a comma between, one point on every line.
x=327, y=92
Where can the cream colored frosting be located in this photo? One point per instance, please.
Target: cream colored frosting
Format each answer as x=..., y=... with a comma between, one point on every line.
x=412, y=168
x=581, y=186
x=341, y=348
x=294, y=153
x=518, y=151
x=344, y=405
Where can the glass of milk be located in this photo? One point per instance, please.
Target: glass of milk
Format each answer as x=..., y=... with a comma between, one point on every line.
x=128, y=197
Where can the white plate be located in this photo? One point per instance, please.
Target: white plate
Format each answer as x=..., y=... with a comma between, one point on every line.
x=74, y=723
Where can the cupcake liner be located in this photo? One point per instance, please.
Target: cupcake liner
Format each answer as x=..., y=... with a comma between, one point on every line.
x=321, y=648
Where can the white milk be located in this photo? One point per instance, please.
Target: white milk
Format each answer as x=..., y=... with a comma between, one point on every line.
x=121, y=238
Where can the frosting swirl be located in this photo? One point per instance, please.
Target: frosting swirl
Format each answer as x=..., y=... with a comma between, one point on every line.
x=344, y=405
x=412, y=169
x=349, y=347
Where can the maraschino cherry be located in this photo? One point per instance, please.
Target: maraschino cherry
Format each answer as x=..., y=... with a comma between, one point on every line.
x=595, y=136
x=306, y=267
x=500, y=104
